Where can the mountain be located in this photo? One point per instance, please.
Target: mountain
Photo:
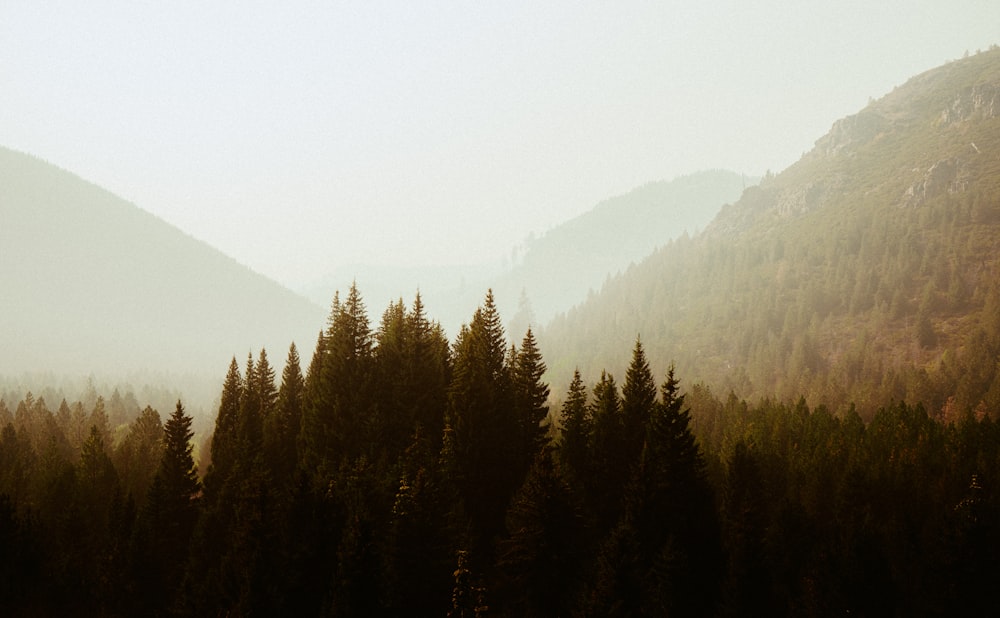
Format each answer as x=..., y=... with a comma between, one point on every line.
x=91, y=283
x=552, y=272
x=558, y=269
x=867, y=271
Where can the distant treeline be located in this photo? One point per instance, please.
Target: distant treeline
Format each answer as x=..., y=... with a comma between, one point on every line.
x=406, y=475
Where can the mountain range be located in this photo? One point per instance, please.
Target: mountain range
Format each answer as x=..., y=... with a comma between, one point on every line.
x=551, y=272
x=93, y=284
x=866, y=272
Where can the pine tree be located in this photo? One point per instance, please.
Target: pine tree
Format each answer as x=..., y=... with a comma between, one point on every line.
x=672, y=508
x=139, y=455
x=638, y=399
x=531, y=397
x=577, y=429
x=341, y=399
x=480, y=412
x=609, y=459
x=167, y=522
x=224, y=440
x=282, y=427
x=540, y=558
x=249, y=426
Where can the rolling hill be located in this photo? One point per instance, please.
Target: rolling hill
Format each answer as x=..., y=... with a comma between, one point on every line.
x=867, y=271
x=91, y=283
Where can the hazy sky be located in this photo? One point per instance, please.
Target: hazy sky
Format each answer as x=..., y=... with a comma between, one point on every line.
x=298, y=136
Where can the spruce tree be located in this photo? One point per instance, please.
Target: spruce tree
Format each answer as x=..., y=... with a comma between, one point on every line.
x=224, y=440
x=638, y=399
x=609, y=459
x=480, y=412
x=531, y=397
x=541, y=556
x=576, y=433
x=282, y=427
x=168, y=520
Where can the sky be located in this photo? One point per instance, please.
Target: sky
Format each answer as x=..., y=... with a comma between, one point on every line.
x=299, y=137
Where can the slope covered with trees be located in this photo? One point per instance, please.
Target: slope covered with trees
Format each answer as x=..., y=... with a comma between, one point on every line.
x=91, y=283
x=400, y=475
x=869, y=271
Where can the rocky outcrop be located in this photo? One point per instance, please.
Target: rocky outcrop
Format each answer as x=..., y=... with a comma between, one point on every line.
x=847, y=134
x=946, y=176
x=981, y=101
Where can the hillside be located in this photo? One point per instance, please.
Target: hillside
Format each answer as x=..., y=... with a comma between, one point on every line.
x=865, y=272
x=91, y=283
x=556, y=270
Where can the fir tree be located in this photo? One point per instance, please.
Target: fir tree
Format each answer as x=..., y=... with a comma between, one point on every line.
x=576, y=434
x=530, y=402
x=167, y=523
x=224, y=440
x=282, y=427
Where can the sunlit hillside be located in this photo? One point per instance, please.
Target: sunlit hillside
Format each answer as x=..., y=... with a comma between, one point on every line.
x=868, y=271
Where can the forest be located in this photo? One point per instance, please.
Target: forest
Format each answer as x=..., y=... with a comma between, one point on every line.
x=403, y=474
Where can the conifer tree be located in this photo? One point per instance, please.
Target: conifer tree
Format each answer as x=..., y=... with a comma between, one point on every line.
x=480, y=412
x=638, y=399
x=224, y=439
x=266, y=390
x=341, y=401
x=541, y=556
x=530, y=402
x=610, y=462
x=282, y=427
x=139, y=455
x=577, y=429
x=249, y=425
x=165, y=528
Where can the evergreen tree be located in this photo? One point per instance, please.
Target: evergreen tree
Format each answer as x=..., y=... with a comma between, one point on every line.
x=139, y=455
x=282, y=427
x=168, y=519
x=530, y=402
x=266, y=390
x=671, y=506
x=224, y=440
x=249, y=426
x=577, y=428
x=467, y=597
x=480, y=412
x=638, y=399
x=610, y=462
x=340, y=402
x=541, y=556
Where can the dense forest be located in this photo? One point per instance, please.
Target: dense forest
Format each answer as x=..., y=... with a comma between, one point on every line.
x=405, y=475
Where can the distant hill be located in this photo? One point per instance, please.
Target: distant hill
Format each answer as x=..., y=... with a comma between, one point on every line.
x=558, y=269
x=867, y=271
x=550, y=273
x=91, y=283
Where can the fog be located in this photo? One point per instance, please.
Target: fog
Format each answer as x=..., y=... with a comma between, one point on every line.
x=313, y=141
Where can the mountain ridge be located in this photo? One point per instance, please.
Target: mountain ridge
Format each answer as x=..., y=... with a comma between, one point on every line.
x=92, y=278
x=862, y=273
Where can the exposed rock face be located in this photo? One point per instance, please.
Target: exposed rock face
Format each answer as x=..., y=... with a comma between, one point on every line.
x=945, y=176
x=981, y=101
x=850, y=132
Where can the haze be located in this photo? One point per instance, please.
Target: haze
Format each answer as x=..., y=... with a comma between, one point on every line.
x=300, y=139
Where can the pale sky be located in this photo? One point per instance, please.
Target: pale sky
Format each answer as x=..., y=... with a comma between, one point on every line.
x=298, y=136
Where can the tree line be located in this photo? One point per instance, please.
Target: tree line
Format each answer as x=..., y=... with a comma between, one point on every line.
x=405, y=475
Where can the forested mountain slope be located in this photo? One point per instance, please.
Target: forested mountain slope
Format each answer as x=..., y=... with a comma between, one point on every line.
x=550, y=273
x=865, y=272
x=91, y=283
x=557, y=270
